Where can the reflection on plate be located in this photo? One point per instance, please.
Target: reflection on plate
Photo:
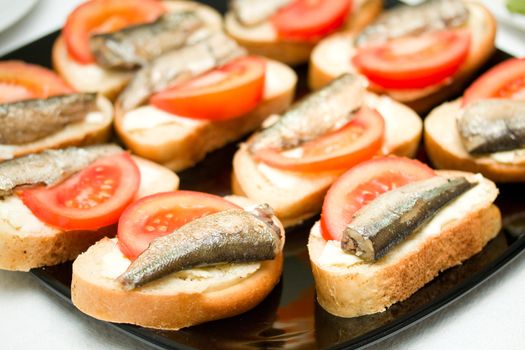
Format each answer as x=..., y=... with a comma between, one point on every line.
x=12, y=11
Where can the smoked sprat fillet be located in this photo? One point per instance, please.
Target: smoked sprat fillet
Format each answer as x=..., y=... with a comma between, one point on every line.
x=231, y=236
x=30, y=120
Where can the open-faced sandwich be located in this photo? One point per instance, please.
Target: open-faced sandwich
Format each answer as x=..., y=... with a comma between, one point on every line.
x=485, y=130
x=291, y=163
x=390, y=225
x=418, y=55
x=181, y=258
x=288, y=30
x=55, y=204
x=104, y=41
x=189, y=102
x=39, y=111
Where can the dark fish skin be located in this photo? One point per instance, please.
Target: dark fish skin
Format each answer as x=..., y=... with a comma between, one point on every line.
x=135, y=46
x=231, y=236
x=323, y=111
x=178, y=66
x=254, y=12
x=493, y=125
x=30, y=120
x=412, y=20
x=386, y=221
x=49, y=167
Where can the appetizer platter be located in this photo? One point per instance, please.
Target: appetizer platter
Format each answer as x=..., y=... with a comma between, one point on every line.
x=218, y=239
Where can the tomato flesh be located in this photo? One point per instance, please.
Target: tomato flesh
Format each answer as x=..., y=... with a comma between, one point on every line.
x=361, y=185
x=505, y=80
x=160, y=214
x=92, y=198
x=224, y=93
x=102, y=16
x=310, y=19
x=22, y=81
x=414, y=62
x=358, y=140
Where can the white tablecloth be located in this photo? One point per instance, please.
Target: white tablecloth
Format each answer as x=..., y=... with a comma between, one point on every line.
x=490, y=317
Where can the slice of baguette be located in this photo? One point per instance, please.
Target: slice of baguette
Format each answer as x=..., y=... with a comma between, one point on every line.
x=179, y=143
x=95, y=128
x=445, y=149
x=263, y=39
x=92, y=77
x=171, y=302
x=349, y=287
x=333, y=57
x=27, y=243
x=297, y=196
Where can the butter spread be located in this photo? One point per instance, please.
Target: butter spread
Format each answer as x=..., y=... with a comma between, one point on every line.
x=333, y=256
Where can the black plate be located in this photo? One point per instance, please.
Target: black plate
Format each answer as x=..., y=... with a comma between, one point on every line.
x=290, y=315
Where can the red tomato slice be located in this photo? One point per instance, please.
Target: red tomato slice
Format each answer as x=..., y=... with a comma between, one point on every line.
x=102, y=16
x=362, y=184
x=92, y=198
x=224, y=93
x=21, y=81
x=358, y=140
x=414, y=62
x=160, y=214
x=506, y=80
x=310, y=19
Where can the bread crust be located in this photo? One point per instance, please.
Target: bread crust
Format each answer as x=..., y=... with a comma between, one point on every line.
x=21, y=251
x=178, y=148
x=367, y=290
x=83, y=133
x=483, y=29
x=143, y=307
x=297, y=52
x=445, y=150
x=294, y=203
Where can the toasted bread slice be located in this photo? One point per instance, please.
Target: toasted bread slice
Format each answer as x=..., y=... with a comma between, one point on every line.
x=92, y=77
x=26, y=242
x=263, y=39
x=349, y=287
x=179, y=143
x=297, y=196
x=95, y=128
x=174, y=301
x=333, y=57
x=446, y=151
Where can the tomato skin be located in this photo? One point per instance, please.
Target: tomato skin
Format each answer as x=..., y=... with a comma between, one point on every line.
x=160, y=214
x=21, y=81
x=310, y=19
x=505, y=80
x=414, y=62
x=351, y=152
x=89, y=199
x=362, y=184
x=102, y=16
x=224, y=93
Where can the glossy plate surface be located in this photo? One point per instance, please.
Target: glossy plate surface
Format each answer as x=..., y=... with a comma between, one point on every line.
x=290, y=317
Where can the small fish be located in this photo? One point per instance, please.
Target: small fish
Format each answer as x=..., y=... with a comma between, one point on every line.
x=30, y=120
x=226, y=237
x=254, y=12
x=136, y=45
x=493, y=125
x=178, y=66
x=412, y=20
x=323, y=111
x=49, y=167
x=387, y=220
